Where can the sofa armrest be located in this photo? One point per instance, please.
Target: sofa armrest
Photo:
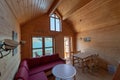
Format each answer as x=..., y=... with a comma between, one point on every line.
x=24, y=64
x=22, y=74
x=62, y=59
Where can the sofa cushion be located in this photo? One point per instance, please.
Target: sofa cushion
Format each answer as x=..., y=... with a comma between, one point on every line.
x=22, y=74
x=45, y=67
x=33, y=62
x=45, y=60
x=38, y=76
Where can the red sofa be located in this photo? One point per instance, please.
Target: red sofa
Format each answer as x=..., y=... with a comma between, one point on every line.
x=35, y=68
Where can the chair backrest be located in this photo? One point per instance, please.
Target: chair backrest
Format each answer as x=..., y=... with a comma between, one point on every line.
x=36, y=54
x=117, y=74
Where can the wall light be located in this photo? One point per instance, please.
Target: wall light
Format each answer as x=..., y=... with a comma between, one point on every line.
x=87, y=39
x=6, y=46
x=80, y=38
x=22, y=42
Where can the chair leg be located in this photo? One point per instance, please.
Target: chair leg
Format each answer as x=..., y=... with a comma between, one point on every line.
x=74, y=78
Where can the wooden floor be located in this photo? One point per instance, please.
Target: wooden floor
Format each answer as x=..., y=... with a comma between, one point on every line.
x=95, y=75
x=100, y=74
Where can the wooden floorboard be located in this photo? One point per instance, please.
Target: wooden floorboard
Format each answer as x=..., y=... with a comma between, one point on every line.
x=98, y=74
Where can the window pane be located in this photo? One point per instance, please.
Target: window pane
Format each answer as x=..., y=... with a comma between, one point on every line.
x=57, y=25
x=48, y=51
x=48, y=42
x=52, y=24
x=56, y=16
x=36, y=42
x=53, y=15
x=37, y=52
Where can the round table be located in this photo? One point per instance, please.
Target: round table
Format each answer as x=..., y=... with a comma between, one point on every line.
x=64, y=72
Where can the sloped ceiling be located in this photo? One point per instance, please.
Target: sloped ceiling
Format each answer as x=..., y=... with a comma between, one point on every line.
x=68, y=7
x=86, y=15
x=25, y=10
x=69, y=10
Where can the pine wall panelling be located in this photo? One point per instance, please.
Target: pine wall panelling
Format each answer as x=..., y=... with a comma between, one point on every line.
x=8, y=64
x=40, y=27
x=101, y=23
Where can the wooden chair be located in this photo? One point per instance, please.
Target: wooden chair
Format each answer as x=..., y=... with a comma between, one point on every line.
x=75, y=59
x=36, y=54
x=117, y=73
x=92, y=63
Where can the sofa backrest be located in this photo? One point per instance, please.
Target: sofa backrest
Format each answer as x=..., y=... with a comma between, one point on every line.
x=54, y=57
x=34, y=62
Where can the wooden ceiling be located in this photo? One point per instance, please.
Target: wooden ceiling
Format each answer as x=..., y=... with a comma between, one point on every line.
x=25, y=10
x=68, y=7
x=86, y=15
x=81, y=14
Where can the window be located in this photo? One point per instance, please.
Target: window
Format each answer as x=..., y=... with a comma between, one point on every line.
x=55, y=23
x=42, y=46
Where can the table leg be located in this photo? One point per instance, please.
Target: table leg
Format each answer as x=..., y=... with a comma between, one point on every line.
x=73, y=60
x=82, y=62
x=74, y=78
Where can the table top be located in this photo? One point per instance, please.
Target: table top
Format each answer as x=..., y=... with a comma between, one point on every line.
x=83, y=55
x=64, y=71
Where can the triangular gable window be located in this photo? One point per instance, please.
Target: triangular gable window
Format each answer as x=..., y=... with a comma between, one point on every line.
x=55, y=23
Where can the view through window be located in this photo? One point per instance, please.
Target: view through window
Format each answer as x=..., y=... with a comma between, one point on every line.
x=42, y=46
x=55, y=23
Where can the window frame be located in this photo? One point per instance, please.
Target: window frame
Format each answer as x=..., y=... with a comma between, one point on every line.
x=56, y=17
x=43, y=45
x=49, y=47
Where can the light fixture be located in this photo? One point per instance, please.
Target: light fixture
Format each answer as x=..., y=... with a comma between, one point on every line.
x=22, y=42
x=87, y=39
x=80, y=38
x=6, y=46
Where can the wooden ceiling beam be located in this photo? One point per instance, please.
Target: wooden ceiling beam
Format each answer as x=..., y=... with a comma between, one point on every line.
x=78, y=6
x=54, y=6
x=59, y=14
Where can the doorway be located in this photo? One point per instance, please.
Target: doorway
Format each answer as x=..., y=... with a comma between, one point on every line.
x=67, y=47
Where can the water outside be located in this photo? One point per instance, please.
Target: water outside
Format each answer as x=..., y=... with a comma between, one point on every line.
x=38, y=49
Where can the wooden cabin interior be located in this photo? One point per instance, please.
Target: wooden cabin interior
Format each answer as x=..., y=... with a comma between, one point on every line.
x=79, y=25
